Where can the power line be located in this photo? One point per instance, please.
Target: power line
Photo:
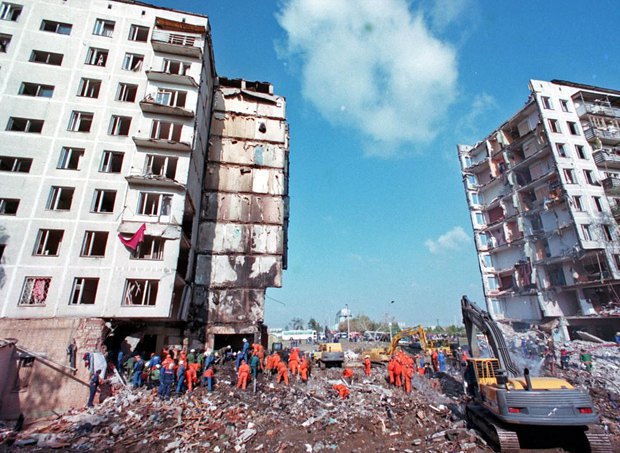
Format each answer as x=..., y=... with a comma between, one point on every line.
x=275, y=300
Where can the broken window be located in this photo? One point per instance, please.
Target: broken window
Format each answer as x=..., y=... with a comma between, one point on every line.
x=577, y=202
x=104, y=28
x=84, y=291
x=561, y=147
x=140, y=292
x=572, y=128
x=126, y=92
x=151, y=248
x=154, y=204
x=176, y=67
x=564, y=105
x=554, y=126
x=10, y=11
x=581, y=151
x=569, y=175
x=8, y=206
x=15, y=164
x=556, y=276
x=48, y=242
x=164, y=130
x=60, y=198
x=597, y=204
x=585, y=230
x=70, y=158
x=80, y=121
x=111, y=162
x=94, y=243
x=89, y=88
x=35, y=291
x=103, y=201
x=589, y=176
x=96, y=57
x=25, y=366
x=546, y=102
x=25, y=125
x=119, y=125
x=41, y=56
x=164, y=166
x=607, y=233
x=172, y=98
x=5, y=40
x=36, y=89
x=138, y=33
x=56, y=27
x=132, y=62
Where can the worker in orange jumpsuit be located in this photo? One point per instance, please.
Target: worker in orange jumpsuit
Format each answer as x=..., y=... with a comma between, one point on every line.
x=390, y=368
x=367, y=365
x=269, y=365
x=342, y=390
x=293, y=361
x=261, y=356
x=303, y=369
x=282, y=372
x=190, y=375
x=398, y=372
x=243, y=375
x=408, y=373
x=435, y=361
x=347, y=375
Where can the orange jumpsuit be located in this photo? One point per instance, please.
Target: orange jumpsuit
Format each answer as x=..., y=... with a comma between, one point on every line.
x=342, y=390
x=347, y=373
x=303, y=369
x=391, y=370
x=408, y=372
x=293, y=361
x=398, y=371
x=282, y=373
x=243, y=375
x=191, y=376
x=367, y=366
x=270, y=362
x=435, y=361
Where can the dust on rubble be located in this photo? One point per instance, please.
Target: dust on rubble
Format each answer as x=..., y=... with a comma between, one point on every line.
x=296, y=418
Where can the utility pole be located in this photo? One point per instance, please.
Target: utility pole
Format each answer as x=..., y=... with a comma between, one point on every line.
x=348, y=325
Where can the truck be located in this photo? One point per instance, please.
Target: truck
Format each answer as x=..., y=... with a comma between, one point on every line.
x=515, y=410
x=329, y=355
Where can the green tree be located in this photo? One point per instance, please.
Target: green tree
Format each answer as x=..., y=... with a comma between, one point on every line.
x=314, y=325
x=297, y=324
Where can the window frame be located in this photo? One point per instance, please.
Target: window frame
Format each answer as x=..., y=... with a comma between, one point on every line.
x=580, y=150
x=145, y=293
x=88, y=243
x=89, y=88
x=69, y=154
x=100, y=27
x=554, y=126
x=40, y=89
x=51, y=58
x=106, y=164
x=5, y=41
x=99, y=198
x=547, y=102
x=28, y=291
x=116, y=125
x=30, y=123
x=59, y=30
x=14, y=10
x=96, y=56
x=127, y=92
x=9, y=202
x=150, y=249
x=129, y=63
x=55, y=198
x=42, y=242
x=136, y=30
x=573, y=128
x=147, y=206
x=16, y=164
x=79, y=289
x=80, y=121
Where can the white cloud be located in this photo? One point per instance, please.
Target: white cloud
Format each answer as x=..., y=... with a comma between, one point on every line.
x=444, y=13
x=468, y=126
x=374, y=68
x=454, y=239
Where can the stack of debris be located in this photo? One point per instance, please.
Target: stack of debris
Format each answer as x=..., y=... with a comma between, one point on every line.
x=275, y=418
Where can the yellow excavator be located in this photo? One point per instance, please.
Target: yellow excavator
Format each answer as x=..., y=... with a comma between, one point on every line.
x=516, y=410
x=384, y=354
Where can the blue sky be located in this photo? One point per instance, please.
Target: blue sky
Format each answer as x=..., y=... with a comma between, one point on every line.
x=378, y=96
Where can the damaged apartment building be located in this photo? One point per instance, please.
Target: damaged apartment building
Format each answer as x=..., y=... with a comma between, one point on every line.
x=544, y=195
x=144, y=199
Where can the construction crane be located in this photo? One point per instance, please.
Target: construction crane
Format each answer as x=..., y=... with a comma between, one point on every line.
x=517, y=410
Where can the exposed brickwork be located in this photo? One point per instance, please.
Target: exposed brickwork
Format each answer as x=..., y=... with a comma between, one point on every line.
x=51, y=388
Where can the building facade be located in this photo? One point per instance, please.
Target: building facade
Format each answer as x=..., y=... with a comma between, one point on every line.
x=113, y=217
x=542, y=193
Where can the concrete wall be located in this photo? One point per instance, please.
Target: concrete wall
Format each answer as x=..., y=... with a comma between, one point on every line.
x=51, y=387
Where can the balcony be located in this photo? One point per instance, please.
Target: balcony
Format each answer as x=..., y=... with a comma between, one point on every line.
x=168, y=77
x=177, y=43
x=607, y=157
x=600, y=109
x=150, y=104
x=615, y=211
x=609, y=136
x=162, y=143
x=154, y=181
x=611, y=186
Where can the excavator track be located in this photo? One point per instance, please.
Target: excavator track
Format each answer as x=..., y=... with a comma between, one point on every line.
x=506, y=440
x=598, y=440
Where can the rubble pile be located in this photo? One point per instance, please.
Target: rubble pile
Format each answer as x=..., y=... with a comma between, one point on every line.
x=299, y=417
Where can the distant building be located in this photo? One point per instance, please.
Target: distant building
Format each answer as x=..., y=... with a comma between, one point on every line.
x=543, y=194
x=143, y=196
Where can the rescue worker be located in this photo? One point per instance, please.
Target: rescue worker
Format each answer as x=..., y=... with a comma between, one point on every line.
x=243, y=375
x=238, y=360
x=441, y=359
x=390, y=369
x=347, y=375
x=154, y=376
x=180, y=376
x=95, y=382
x=276, y=362
x=398, y=372
x=435, y=360
x=207, y=378
x=293, y=361
x=254, y=365
x=138, y=367
x=192, y=375
x=303, y=369
x=342, y=390
x=367, y=365
x=586, y=360
x=564, y=357
x=269, y=366
x=244, y=351
x=191, y=357
x=282, y=372
x=166, y=381
x=408, y=374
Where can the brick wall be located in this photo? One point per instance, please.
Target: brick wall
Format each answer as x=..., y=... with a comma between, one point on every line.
x=51, y=387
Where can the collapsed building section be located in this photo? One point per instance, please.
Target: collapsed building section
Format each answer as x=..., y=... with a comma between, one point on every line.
x=242, y=242
x=542, y=193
